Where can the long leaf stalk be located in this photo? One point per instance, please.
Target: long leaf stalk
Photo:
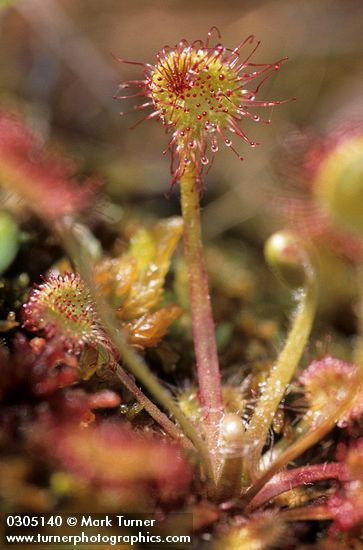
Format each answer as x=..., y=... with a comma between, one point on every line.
x=134, y=362
x=282, y=373
x=210, y=392
x=289, y=479
x=168, y=426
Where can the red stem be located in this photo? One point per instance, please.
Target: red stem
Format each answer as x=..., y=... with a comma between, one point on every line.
x=169, y=427
x=202, y=319
x=285, y=481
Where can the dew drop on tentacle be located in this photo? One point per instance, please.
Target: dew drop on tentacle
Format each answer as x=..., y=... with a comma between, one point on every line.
x=210, y=32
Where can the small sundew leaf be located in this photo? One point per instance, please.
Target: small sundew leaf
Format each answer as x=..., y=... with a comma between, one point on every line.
x=326, y=385
x=62, y=308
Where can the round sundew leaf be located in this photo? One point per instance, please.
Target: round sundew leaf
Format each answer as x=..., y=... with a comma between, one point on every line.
x=199, y=93
x=62, y=307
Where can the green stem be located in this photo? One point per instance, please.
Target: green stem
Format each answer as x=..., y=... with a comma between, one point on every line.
x=289, y=479
x=281, y=375
x=130, y=357
x=202, y=319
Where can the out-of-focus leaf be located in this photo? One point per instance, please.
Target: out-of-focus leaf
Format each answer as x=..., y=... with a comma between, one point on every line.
x=111, y=455
x=153, y=252
x=134, y=282
x=150, y=328
x=115, y=277
x=38, y=176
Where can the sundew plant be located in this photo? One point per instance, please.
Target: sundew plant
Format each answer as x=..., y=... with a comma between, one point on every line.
x=117, y=388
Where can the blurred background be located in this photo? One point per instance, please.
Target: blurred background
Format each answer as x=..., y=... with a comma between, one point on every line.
x=58, y=67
